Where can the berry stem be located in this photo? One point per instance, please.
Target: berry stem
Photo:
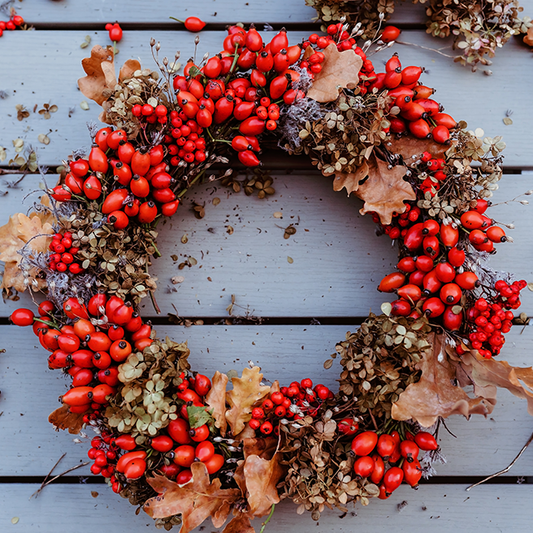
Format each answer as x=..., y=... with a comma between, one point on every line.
x=264, y=524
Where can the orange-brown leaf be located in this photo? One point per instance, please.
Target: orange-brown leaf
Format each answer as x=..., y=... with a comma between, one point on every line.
x=435, y=394
x=340, y=70
x=62, y=418
x=100, y=70
x=20, y=230
x=408, y=146
x=262, y=476
x=486, y=374
x=350, y=180
x=216, y=399
x=195, y=501
x=247, y=390
x=385, y=190
x=240, y=524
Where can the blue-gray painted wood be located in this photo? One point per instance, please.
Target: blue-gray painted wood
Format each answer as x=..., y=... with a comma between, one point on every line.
x=30, y=392
x=435, y=508
x=55, y=61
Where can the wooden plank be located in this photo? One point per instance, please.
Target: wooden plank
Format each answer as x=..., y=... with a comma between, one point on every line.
x=438, y=508
x=480, y=100
x=211, y=11
x=221, y=12
x=30, y=391
x=338, y=260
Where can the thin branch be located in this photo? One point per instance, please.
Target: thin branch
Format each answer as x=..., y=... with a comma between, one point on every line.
x=530, y=440
x=44, y=483
x=426, y=48
x=48, y=475
x=373, y=419
x=264, y=524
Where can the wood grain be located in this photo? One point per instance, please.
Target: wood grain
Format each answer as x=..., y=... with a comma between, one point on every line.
x=30, y=392
x=55, y=61
x=435, y=508
x=337, y=259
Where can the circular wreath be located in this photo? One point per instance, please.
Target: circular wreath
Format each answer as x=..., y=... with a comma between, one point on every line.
x=176, y=442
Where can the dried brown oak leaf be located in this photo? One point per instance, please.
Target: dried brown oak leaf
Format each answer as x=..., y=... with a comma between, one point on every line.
x=487, y=374
x=216, y=400
x=100, y=70
x=239, y=524
x=408, y=146
x=19, y=231
x=340, y=70
x=247, y=390
x=350, y=180
x=195, y=501
x=385, y=190
x=435, y=394
x=62, y=418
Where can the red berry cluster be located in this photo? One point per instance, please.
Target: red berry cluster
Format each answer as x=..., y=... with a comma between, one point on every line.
x=297, y=400
x=13, y=23
x=419, y=114
x=387, y=460
x=482, y=233
x=488, y=321
x=179, y=448
x=135, y=180
x=63, y=256
x=90, y=354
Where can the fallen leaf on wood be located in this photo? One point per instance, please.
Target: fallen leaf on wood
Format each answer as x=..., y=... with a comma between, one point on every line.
x=247, y=390
x=408, y=146
x=350, y=180
x=195, y=501
x=14, y=235
x=435, y=394
x=385, y=190
x=340, y=70
x=216, y=399
x=487, y=374
x=62, y=418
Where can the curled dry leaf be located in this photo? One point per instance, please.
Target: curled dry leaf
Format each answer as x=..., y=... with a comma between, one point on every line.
x=385, y=190
x=216, y=400
x=350, y=180
x=435, y=394
x=258, y=475
x=62, y=418
x=195, y=501
x=487, y=374
x=409, y=146
x=340, y=70
x=239, y=524
x=247, y=390
x=101, y=77
x=20, y=230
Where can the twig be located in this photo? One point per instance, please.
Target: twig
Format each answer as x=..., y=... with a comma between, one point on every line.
x=264, y=524
x=530, y=440
x=426, y=48
x=373, y=420
x=48, y=475
x=58, y=475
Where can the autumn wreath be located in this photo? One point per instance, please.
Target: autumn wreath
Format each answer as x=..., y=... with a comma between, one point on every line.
x=179, y=444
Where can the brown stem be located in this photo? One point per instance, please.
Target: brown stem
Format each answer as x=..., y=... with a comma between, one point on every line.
x=373, y=420
x=505, y=469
